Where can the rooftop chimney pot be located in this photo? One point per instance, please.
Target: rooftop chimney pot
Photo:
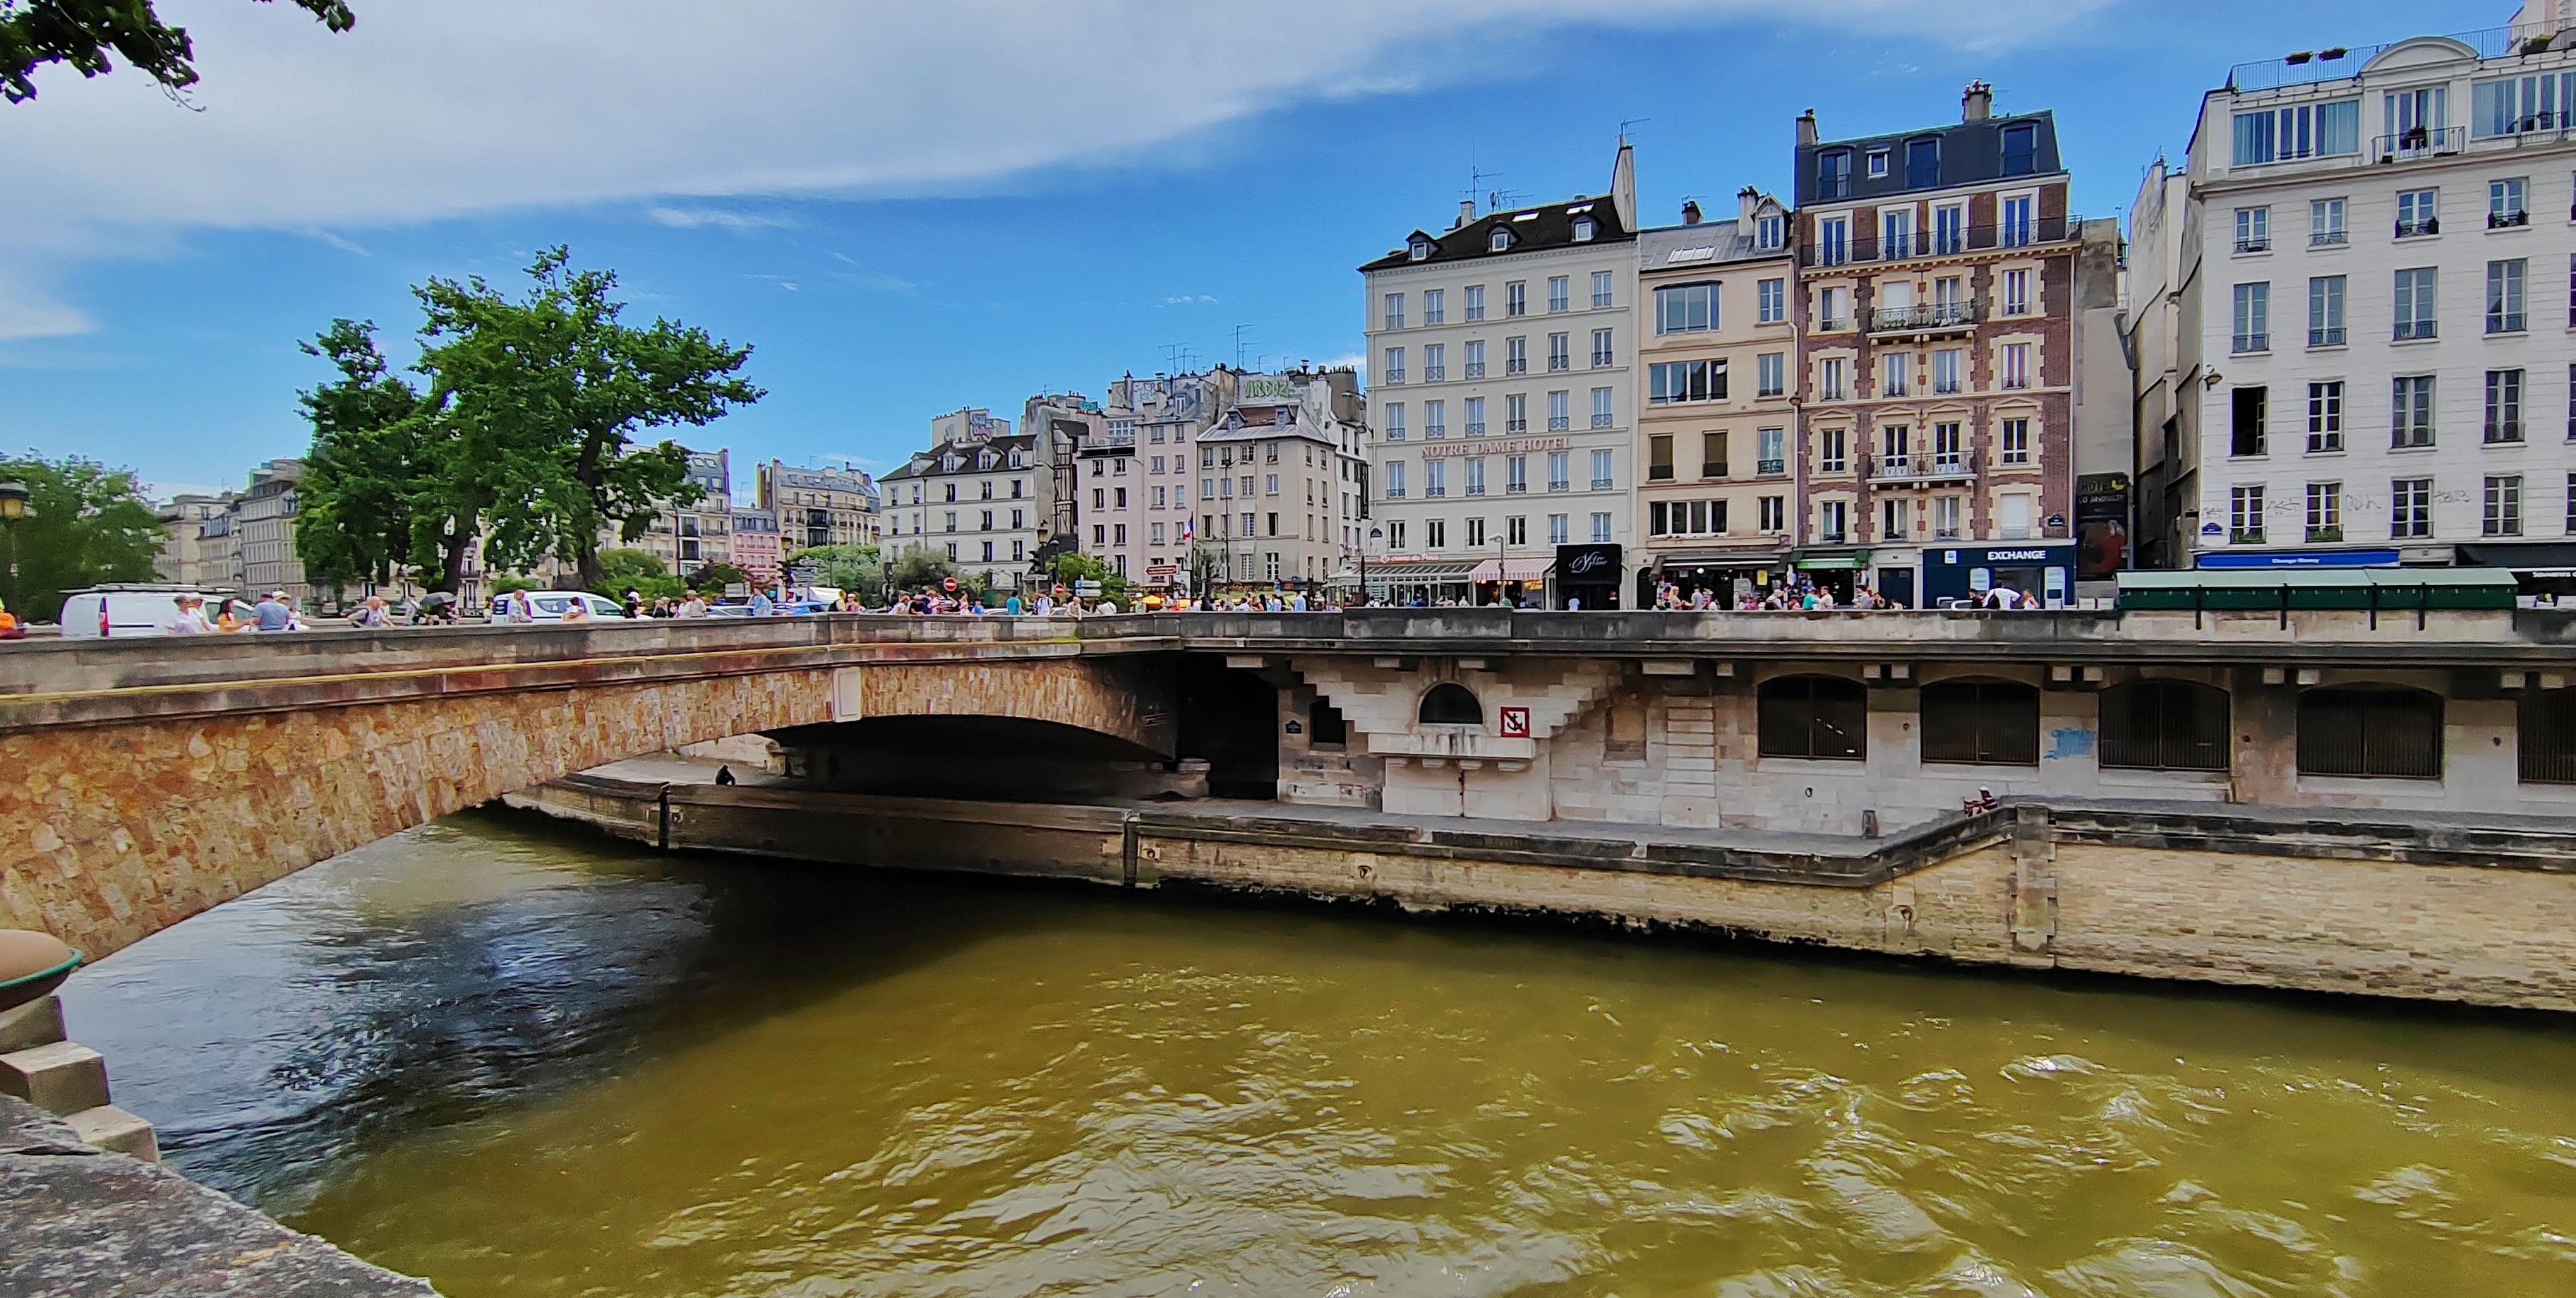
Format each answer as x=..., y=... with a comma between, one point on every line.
x=1807, y=127
x=1977, y=102
x=1466, y=213
x=1690, y=211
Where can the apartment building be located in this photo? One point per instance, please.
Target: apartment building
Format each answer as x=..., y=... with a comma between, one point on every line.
x=1504, y=423
x=264, y=523
x=1162, y=418
x=197, y=546
x=981, y=504
x=1090, y=487
x=1715, y=352
x=1939, y=357
x=820, y=506
x=2382, y=233
x=752, y=544
x=684, y=537
x=1279, y=474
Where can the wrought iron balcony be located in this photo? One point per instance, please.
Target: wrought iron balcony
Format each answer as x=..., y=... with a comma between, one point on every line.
x=1923, y=470
x=2420, y=142
x=1927, y=317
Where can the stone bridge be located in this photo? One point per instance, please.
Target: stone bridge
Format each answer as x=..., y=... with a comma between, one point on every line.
x=142, y=781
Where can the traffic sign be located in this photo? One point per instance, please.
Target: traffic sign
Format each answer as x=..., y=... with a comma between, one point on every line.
x=948, y=584
x=1086, y=587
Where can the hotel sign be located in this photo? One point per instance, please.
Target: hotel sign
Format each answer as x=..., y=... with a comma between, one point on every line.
x=1480, y=446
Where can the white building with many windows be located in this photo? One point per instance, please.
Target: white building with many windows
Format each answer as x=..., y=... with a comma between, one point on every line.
x=1503, y=409
x=980, y=503
x=2384, y=244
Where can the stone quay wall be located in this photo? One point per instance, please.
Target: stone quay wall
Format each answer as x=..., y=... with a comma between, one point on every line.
x=2481, y=913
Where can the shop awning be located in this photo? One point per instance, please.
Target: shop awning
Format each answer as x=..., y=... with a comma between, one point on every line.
x=1513, y=569
x=1823, y=562
x=1417, y=572
x=1722, y=559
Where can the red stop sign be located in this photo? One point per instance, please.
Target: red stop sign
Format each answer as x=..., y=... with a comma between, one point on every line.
x=949, y=584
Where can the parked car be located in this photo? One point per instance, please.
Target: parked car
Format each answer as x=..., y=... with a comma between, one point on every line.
x=141, y=608
x=551, y=605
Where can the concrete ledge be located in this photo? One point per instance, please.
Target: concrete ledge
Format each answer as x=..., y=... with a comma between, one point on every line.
x=86, y=1223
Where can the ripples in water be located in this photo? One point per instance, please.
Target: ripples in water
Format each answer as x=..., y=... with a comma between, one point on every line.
x=517, y=1062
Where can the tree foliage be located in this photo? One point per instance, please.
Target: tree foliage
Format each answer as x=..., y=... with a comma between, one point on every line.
x=920, y=569
x=1070, y=568
x=716, y=576
x=364, y=470
x=859, y=570
x=623, y=570
x=85, y=524
x=82, y=33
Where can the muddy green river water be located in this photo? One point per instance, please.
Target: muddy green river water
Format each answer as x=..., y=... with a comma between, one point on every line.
x=521, y=1062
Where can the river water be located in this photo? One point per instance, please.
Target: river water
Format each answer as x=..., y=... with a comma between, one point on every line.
x=518, y=1061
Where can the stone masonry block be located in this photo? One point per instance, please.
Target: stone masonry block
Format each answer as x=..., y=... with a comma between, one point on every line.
x=65, y=1077
x=113, y=1129
x=39, y=1022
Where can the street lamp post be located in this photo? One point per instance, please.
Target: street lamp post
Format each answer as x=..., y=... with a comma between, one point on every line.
x=13, y=506
x=1376, y=534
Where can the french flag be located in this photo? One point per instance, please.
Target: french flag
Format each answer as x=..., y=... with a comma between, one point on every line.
x=1187, y=531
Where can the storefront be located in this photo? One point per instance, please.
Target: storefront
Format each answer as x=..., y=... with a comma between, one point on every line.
x=2276, y=559
x=1520, y=583
x=2545, y=570
x=1408, y=580
x=1837, y=571
x=1588, y=576
x=1729, y=576
x=2044, y=572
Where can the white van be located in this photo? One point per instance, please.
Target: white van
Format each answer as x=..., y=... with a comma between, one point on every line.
x=125, y=610
x=551, y=605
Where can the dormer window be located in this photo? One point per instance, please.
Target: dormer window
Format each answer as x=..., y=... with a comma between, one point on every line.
x=1583, y=228
x=1878, y=164
x=1421, y=250
x=1499, y=241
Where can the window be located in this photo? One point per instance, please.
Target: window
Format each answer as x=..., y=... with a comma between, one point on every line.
x=1450, y=704
x=1600, y=529
x=1773, y=511
x=2508, y=203
x=1394, y=310
x=1833, y=240
x=1560, y=351
x=2253, y=229
x=1583, y=229
x=1712, y=455
x=2017, y=292
x=1516, y=298
x=2253, y=318
x=1558, y=418
x=2016, y=441
x=1395, y=422
x=2245, y=515
x=1393, y=372
x=1895, y=374
x=1892, y=521
x=1832, y=450
x=1516, y=412
x=2383, y=731
x=1769, y=230
x=1987, y=723
x=2415, y=302
x=1476, y=479
x=2410, y=509
x=1946, y=513
x=1558, y=533
x=1686, y=308
x=2503, y=515
x=1475, y=533
x=1417, y=250
x=1659, y=458
x=1878, y=164
x=1922, y=163
x=1435, y=533
x=2021, y=149
x=1895, y=232
x=1516, y=530
x=1671, y=381
x=1601, y=471
x=2418, y=213
x=2325, y=222
x=2571, y=408
x=1770, y=374
x=1768, y=453
x=2504, y=406
x=1516, y=474
x=2016, y=229
x=2307, y=131
x=2016, y=365
x=2325, y=512
x=2513, y=105
x=1435, y=362
x=1600, y=348
x=1557, y=292
x=1949, y=228
x=1948, y=371
x=1395, y=534
x=2164, y=725
x=1600, y=288
x=1435, y=306
x=2325, y=311
x=1816, y=717
x=2410, y=419
x=1771, y=297
x=1516, y=355
x=2325, y=416
x=2504, y=296
x=1475, y=358
x=1476, y=301
x=1559, y=474
x=1833, y=174
x=2545, y=722
x=1948, y=457
x=1395, y=479
x=1601, y=407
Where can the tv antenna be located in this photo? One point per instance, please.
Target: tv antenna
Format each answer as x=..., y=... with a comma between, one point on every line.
x=1239, y=344
x=1626, y=122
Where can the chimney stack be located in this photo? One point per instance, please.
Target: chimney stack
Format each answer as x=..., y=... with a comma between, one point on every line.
x=1690, y=211
x=1466, y=213
x=1746, y=199
x=1807, y=127
x=1977, y=103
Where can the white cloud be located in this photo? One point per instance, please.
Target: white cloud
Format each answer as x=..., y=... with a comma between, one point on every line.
x=1189, y=299
x=434, y=108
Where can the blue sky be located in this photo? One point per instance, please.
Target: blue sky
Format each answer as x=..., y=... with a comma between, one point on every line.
x=905, y=213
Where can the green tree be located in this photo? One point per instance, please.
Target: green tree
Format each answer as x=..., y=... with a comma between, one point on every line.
x=1070, y=568
x=717, y=576
x=82, y=32
x=918, y=569
x=624, y=570
x=859, y=570
x=550, y=390
x=85, y=524
x=363, y=471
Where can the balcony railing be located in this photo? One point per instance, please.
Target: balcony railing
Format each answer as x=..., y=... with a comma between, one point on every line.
x=2326, y=238
x=2505, y=322
x=1516, y=425
x=1977, y=238
x=2410, y=329
x=1559, y=423
x=1476, y=428
x=1434, y=373
x=2326, y=336
x=1941, y=466
x=1713, y=469
x=2408, y=228
x=2420, y=142
x=1659, y=473
x=1770, y=468
x=1475, y=369
x=2507, y=220
x=1600, y=420
x=1516, y=489
x=2255, y=243
x=1925, y=317
x=2251, y=343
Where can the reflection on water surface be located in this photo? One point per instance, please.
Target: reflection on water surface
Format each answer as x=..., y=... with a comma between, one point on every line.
x=518, y=1061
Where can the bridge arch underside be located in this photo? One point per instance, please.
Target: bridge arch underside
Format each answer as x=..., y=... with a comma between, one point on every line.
x=972, y=756
x=137, y=825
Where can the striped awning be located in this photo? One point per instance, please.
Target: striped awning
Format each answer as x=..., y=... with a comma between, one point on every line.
x=1419, y=571
x=1531, y=569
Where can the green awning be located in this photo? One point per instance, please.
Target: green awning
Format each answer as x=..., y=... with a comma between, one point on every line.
x=1834, y=561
